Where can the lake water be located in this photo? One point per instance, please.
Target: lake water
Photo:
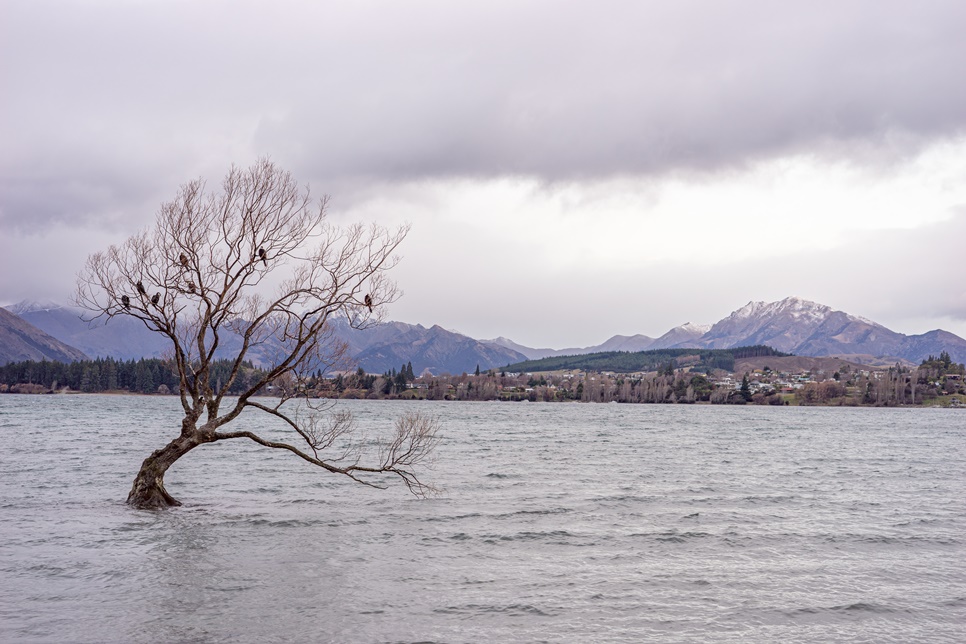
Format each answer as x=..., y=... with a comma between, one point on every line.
x=557, y=523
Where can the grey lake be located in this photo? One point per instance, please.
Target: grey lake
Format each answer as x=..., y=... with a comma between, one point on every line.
x=554, y=523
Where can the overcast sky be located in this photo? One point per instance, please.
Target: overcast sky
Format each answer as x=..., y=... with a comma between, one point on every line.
x=570, y=170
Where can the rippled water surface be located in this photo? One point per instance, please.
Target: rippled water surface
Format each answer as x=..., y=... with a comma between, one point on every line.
x=558, y=523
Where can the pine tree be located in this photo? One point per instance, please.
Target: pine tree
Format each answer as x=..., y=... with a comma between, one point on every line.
x=745, y=390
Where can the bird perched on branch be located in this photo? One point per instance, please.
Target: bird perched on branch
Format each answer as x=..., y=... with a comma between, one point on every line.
x=191, y=286
x=126, y=301
x=184, y=260
x=155, y=299
x=368, y=301
x=263, y=256
x=141, y=288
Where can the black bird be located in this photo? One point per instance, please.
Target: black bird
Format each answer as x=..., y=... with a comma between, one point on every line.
x=184, y=260
x=141, y=288
x=262, y=256
x=191, y=286
x=369, y=302
x=126, y=301
x=155, y=299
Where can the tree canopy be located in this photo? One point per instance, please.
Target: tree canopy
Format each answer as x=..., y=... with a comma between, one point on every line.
x=258, y=259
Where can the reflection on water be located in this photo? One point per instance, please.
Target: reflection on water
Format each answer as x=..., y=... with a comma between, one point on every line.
x=557, y=523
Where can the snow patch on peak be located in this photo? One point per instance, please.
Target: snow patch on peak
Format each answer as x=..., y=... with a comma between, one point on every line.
x=750, y=309
x=695, y=328
x=800, y=303
x=794, y=306
x=800, y=309
x=29, y=306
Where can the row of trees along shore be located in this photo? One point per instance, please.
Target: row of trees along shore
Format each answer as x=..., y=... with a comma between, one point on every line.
x=145, y=376
x=896, y=385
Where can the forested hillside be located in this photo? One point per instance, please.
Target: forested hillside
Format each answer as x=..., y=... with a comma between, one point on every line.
x=655, y=360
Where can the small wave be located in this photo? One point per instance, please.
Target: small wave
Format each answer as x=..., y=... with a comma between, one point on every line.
x=520, y=513
x=229, y=589
x=455, y=517
x=882, y=539
x=477, y=582
x=707, y=500
x=513, y=610
x=625, y=498
x=290, y=523
x=778, y=498
x=906, y=524
x=853, y=608
x=552, y=536
x=537, y=536
x=671, y=537
x=864, y=607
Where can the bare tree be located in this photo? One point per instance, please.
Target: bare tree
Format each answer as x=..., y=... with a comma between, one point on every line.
x=203, y=277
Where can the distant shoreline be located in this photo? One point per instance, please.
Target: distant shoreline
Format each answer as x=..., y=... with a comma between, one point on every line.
x=946, y=402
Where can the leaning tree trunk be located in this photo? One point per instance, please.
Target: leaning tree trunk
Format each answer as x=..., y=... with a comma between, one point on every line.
x=148, y=491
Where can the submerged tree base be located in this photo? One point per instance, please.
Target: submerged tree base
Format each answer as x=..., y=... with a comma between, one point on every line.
x=147, y=492
x=153, y=497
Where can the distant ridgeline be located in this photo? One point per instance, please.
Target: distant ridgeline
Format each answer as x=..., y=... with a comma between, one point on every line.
x=704, y=360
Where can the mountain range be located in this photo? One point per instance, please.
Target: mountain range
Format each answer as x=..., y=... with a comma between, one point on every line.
x=377, y=350
x=676, y=337
x=20, y=341
x=792, y=325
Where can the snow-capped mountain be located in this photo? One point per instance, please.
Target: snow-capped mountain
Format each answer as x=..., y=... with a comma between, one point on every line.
x=687, y=332
x=783, y=325
x=808, y=328
x=793, y=325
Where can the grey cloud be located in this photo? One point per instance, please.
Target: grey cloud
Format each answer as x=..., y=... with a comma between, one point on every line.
x=82, y=193
x=344, y=94
x=634, y=88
